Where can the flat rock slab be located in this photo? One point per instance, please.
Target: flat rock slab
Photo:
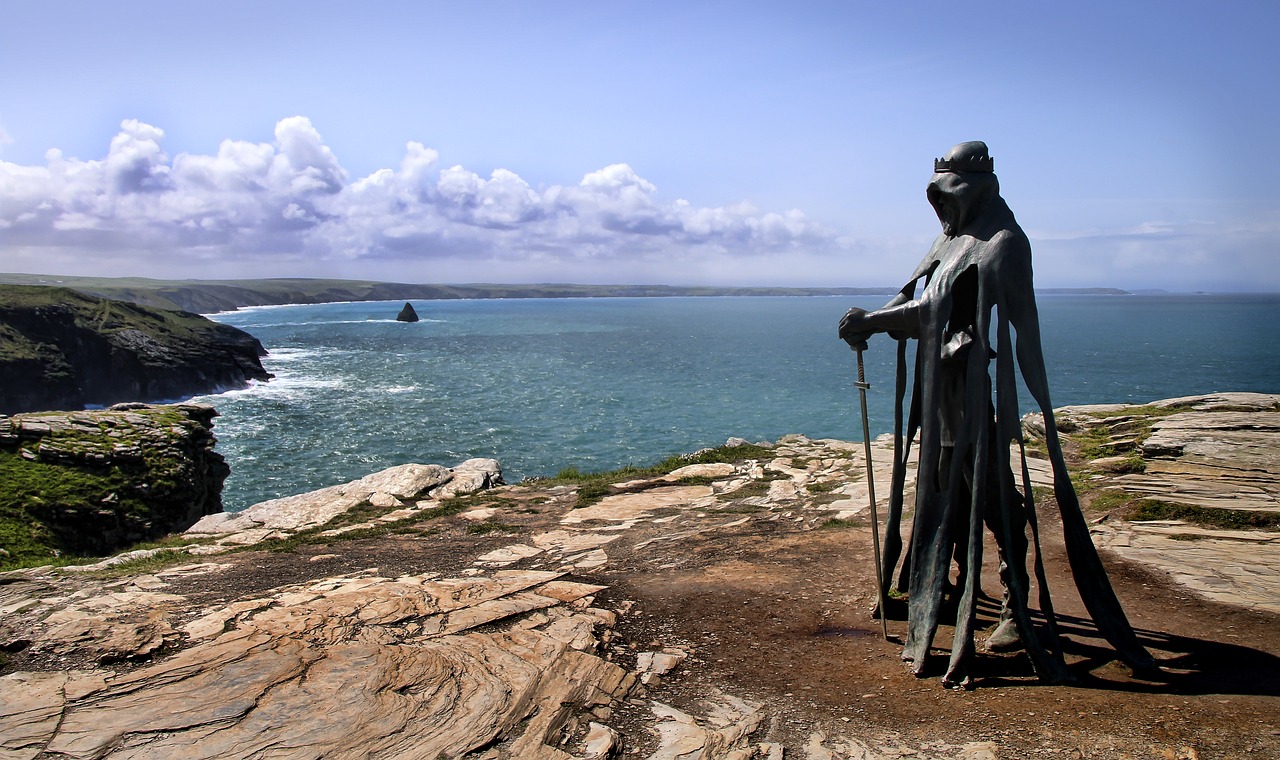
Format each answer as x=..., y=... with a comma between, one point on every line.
x=396, y=663
x=1217, y=451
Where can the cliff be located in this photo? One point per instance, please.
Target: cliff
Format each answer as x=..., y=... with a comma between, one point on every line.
x=90, y=483
x=62, y=349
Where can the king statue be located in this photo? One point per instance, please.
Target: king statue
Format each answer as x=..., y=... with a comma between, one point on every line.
x=976, y=329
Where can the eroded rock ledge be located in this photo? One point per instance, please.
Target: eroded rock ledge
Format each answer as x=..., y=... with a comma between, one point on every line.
x=92, y=482
x=1209, y=462
x=540, y=639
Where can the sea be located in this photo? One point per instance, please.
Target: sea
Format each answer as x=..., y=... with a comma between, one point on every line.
x=600, y=383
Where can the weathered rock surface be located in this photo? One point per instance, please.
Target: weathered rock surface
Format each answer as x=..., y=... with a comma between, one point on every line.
x=92, y=482
x=62, y=349
x=724, y=619
x=408, y=667
x=397, y=490
x=1217, y=451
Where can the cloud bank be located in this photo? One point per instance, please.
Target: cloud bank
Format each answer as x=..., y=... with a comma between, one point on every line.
x=289, y=207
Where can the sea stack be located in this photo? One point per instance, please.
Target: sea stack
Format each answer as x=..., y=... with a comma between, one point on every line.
x=407, y=314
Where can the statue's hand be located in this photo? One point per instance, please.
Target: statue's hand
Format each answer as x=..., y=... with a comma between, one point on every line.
x=854, y=329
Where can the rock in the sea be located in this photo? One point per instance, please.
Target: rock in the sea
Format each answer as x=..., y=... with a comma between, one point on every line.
x=93, y=482
x=62, y=349
x=407, y=314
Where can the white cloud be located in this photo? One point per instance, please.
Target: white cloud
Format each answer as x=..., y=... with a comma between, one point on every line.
x=263, y=204
x=289, y=208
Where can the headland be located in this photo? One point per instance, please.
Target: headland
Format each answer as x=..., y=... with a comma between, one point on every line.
x=714, y=606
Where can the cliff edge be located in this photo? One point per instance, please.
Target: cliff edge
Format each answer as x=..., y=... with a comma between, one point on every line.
x=715, y=606
x=62, y=349
x=93, y=482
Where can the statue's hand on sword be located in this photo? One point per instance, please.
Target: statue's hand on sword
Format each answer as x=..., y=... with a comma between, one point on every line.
x=853, y=329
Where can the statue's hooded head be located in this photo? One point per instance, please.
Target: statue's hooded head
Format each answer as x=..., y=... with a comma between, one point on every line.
x=963, y=183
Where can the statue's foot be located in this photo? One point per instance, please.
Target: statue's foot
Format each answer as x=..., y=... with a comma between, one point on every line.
x=1005, y=638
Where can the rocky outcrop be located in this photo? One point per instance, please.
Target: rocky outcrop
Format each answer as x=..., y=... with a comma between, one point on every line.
x=408, y=667
x=394, y=493
x=1202, y=473
x=719, y=612
x=92, y=482
x=407, y=314
x=61, y=349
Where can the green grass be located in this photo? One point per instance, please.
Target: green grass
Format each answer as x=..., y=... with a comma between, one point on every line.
x=826, y=487
x=489, y=526
x=842, y=523
x=34, y=495
x=407, y=524
x=1137, y=509
x=48, y=511
x=592, y=487
x=1096, y=441
x=1230, y=519
x=1111, y=498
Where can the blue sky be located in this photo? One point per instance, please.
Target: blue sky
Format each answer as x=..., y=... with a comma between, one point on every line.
x=683, y=143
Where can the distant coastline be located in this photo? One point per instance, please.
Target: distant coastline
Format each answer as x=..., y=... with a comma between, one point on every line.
x=212, y=296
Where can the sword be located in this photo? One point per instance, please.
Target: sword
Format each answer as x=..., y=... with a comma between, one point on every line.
x=862, y=385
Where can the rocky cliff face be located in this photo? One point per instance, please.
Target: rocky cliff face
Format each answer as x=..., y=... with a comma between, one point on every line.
x=61, y=349
x=94, y=482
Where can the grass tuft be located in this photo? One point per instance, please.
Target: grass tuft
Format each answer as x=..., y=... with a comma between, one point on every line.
x=592, y=487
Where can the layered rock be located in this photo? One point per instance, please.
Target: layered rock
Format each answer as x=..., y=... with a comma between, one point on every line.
x=1210, y=462
x=92, y=482
x=61, y=349
x=361, y=666
x=560, y=634
x=395, y=492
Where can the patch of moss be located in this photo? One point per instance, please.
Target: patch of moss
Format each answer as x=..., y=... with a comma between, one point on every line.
x=407, y=524
x=1209, y=517
x=592, y=487
x=1109, y=499
x=489, y=526
x=1097, y=442
x=1146, y=410
x=37, y=497
x=841, y=523
x=753, y=489
x=824, y=498
x=741, y=509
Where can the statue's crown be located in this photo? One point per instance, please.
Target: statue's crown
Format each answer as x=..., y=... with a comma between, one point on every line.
x=969, y=163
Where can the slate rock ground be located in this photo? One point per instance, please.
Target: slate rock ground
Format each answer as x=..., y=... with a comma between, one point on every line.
x=716, y=612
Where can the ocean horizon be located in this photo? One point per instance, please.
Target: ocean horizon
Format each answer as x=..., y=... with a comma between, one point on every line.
x=601, y=383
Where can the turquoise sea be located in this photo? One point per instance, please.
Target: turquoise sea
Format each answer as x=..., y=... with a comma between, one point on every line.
x=543, y=384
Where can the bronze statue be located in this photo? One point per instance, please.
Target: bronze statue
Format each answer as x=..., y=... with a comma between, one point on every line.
x=976, y=325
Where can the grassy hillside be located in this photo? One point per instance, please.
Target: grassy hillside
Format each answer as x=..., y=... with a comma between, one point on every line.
x=62, y=348
x=207, y=296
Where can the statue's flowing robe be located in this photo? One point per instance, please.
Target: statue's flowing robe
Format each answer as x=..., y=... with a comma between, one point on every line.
x=978, y=285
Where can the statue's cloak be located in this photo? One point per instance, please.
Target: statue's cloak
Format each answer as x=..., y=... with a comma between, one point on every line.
x=979, y=326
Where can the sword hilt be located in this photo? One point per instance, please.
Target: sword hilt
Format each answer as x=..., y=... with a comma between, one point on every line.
x=862, y=375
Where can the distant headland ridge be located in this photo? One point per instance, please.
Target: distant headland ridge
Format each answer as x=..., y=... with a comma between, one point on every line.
x=210, y=296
